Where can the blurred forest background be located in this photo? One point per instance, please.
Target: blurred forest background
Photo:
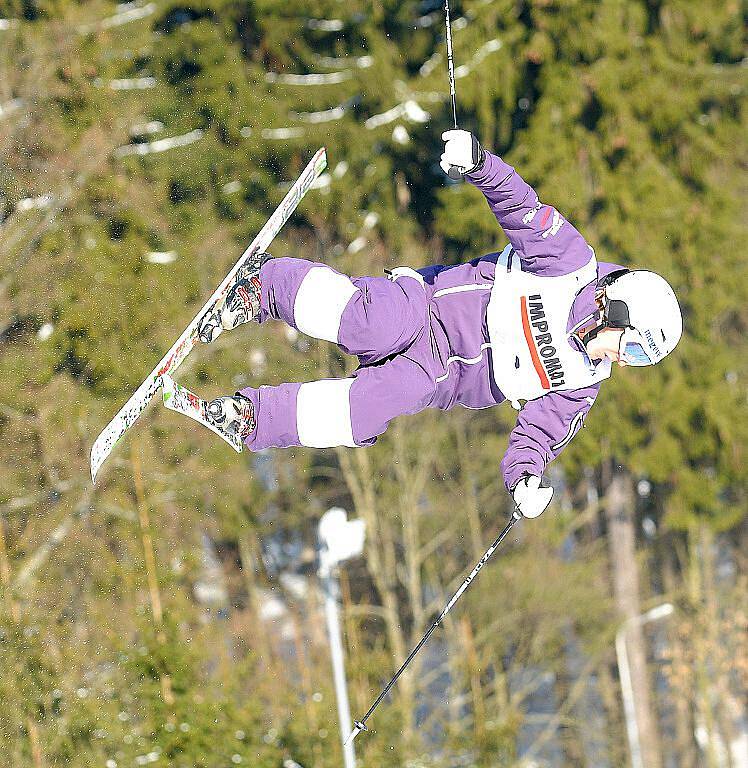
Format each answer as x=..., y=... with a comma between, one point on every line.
x=172, y=615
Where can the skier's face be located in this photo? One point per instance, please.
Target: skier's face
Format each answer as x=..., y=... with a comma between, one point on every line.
x=607, y=344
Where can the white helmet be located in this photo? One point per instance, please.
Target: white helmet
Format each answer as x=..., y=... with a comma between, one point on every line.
x=645, y=306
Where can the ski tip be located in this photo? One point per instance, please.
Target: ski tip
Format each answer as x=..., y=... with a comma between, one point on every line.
x=320, y=159
x=96, y=463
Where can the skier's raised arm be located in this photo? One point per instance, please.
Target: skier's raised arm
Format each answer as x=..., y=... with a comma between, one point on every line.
x=546, y=243
x=544, y=428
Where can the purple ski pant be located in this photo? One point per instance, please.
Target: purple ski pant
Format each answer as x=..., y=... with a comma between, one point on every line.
x=384, y=322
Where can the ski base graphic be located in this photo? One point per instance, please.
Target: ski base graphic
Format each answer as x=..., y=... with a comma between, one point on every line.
x=180, y=399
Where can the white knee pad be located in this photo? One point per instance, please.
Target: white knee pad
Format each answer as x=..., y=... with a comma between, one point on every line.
x=323, y=413
x=320, y=301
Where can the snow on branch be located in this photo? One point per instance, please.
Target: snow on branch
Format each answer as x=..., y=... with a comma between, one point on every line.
x=371, y=219
x=340, y=170
x=326, y=25
x=324, y=116
x=457, y=25
x=275, y=134
x=161, y=257
x=322, y=182
x=126, y=12
x=127, y=84
x=432, y=97
x=127, y=15
x=408, y=109
x=10, y=106
x=279, y=134
x=331, y=78
x=34, y=203
x=146, y=129
x=422, y=22
x=436, y=17
x=430, y=64
x=486, y=49
x=162, y=145
x=361, y=62
x=400, y=134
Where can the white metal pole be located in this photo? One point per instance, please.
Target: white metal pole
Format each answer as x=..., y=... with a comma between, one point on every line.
x=330, y=588
x=627, y=691
x=624, y=675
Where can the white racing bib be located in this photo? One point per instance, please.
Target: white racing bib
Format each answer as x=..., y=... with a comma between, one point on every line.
x=527, y=318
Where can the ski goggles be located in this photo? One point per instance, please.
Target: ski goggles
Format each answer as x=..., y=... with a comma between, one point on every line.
x=632, y=349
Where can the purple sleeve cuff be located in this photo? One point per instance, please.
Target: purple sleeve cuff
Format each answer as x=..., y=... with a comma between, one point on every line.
x=524, y=462
x=492, y=173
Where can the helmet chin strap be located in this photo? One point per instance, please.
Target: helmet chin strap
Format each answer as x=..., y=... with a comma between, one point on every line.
x=592, y=333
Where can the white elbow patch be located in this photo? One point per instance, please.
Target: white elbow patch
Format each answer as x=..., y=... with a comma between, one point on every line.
x=320, y=301
x=323, y=414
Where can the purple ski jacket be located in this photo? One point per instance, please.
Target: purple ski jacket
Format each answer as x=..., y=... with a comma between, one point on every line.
x=547, y=245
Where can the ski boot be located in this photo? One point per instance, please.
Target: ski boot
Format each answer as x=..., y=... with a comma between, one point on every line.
x=233, y=416
x=241, y=303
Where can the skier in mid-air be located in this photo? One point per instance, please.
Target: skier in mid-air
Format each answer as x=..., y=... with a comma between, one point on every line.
x=540, y=322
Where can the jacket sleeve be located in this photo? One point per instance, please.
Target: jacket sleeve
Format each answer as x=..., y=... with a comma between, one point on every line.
x=544, y=428
x=545, y=242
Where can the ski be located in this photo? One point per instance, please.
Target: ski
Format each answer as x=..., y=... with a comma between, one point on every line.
x=180, y=399
x=137, y=403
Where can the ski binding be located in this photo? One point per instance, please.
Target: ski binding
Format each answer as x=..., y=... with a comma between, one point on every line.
x=180, y=399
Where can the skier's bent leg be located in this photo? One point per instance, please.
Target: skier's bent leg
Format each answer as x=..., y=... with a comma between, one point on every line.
x=338, y=412
x=384, y=318
x=240, y=304
x=308, y=296
x=400, y=386
x=372, y=317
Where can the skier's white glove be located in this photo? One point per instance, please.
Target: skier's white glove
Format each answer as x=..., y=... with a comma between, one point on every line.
x=461, y=151
x=531, y=498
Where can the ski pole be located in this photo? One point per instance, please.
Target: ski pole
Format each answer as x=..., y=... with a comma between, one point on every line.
x=454, y=172
x=360, y=725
